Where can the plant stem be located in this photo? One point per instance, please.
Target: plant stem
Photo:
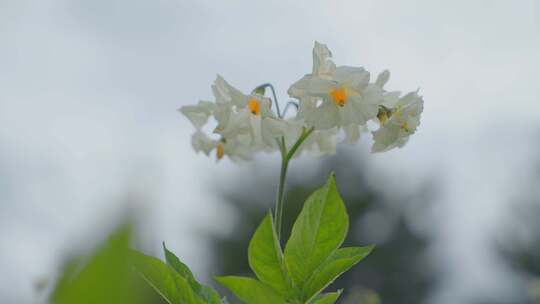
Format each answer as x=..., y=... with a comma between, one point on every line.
x=286, y=156
x=280, y=196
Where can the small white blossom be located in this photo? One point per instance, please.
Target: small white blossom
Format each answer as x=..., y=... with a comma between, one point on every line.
x=345, y=93
x=401, y=123
x=198, y=114
x=234, y=148
x=330, y=99
x=242, y=114
x=202, y=143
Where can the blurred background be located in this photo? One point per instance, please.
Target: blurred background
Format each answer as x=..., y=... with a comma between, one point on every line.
x=89, y=131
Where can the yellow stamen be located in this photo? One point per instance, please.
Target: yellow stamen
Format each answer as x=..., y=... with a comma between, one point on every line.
x=254, y=106
x=384, y=114
x=219, y=151
x=339, y=96
x=405, y=126
x=383, y=117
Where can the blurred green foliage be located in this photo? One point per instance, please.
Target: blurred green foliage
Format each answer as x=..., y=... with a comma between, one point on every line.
x=520, y=248
x=104, y=277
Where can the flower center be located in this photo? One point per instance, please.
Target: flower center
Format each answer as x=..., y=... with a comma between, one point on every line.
x=383, y=117
x=339, y=96
x=384, y=114
x=254, y=106
x=219, y=151
x=405, y=127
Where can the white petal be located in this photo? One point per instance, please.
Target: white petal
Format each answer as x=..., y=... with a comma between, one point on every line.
x=198, y=114
x=201, y=142
x=306, y=106
x=324, y=117
x=390, y=99
x=238, y=123
x=265, y=105
x=363, y=109
x=354, y=77
x=256, y=131
x=323, y=142
x=382, y=79
x=222, y=114
x=352, y=133
x=238, y=149
x=289, y=129
x=311, y=86
x=322, y=65
x=224, y=92
x=385, y=138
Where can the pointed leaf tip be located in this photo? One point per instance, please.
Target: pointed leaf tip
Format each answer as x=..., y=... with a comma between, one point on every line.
x=266, y=257
x=327, y=298
x=340, y=261
x=331, y=179
x=319, y=230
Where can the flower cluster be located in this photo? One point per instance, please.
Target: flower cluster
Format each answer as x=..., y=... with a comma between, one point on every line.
x=329, y=99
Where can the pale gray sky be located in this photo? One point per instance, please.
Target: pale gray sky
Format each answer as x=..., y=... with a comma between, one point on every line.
x=88, y=92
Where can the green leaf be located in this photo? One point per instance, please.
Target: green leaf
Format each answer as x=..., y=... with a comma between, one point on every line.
x=173, y=261
x=266, y=259
x=205, y=292
x=187, y=296
x=319, y=230
x=327, y=298
x=168, y=283
x=250, y=290
x=105, y=277
x=209, y=294
x=342, y=260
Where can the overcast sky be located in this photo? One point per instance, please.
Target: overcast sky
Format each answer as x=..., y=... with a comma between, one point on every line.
x=89, y=89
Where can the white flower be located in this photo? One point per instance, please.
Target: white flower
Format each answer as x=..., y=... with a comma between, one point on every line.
x=399, y=123
x=234, y=148
x=345, y=93
x=202, y=143
x=198, y=114
x=331, y=98
x=242, y=114
x=323, y=67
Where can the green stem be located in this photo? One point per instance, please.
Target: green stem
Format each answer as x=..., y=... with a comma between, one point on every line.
x=280, y=195
x=286, y=156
